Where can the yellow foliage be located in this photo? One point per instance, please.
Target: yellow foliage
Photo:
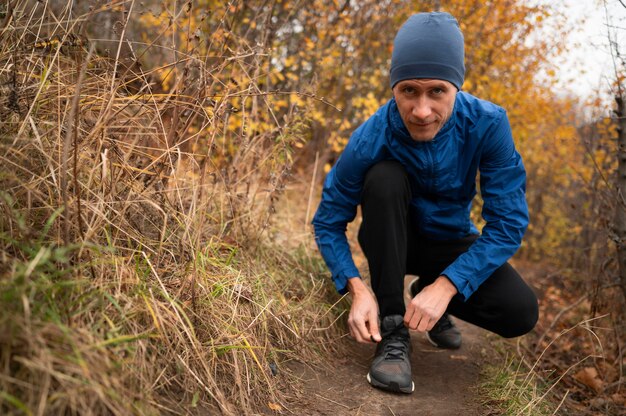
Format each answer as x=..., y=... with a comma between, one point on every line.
x=328, y=62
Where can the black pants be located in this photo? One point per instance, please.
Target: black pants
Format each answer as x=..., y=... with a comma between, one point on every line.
x=503, y=304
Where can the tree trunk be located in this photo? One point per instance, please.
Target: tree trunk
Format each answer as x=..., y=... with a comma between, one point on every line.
x=620, y=206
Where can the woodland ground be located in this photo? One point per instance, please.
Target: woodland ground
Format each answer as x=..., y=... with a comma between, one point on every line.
x=138, y=274
x=447, y=382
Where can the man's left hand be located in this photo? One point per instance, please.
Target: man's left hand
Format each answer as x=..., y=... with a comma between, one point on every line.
x=428, y=306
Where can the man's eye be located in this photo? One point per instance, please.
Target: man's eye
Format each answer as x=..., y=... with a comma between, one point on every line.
x=437, y=91
x=408, y=90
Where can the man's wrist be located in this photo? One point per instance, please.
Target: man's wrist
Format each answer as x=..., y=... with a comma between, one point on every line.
x=355, y=285
x=444, y=282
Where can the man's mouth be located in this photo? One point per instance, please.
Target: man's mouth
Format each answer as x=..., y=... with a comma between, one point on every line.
x=424, y=124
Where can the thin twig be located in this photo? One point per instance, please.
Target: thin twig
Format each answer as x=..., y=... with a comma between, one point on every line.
x=332, y=401
x=565, y=310
x=312, y=186
x=70, y=131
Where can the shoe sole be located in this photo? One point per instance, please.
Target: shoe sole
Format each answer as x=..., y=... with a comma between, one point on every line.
x=394, y=387
x=439, y=346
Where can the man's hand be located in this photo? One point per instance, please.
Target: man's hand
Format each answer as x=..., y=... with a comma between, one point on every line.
x=427, y=306
x=363, y=318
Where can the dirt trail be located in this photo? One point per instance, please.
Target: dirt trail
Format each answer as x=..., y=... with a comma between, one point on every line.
x=445, y=380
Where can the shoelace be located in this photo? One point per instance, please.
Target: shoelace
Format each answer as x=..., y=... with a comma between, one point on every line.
x=395, y=348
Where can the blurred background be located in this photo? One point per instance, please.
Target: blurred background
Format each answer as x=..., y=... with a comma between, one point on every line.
x=155, y=154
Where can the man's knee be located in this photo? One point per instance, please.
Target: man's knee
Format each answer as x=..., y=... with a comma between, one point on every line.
x=386, y=180
x=520, y=316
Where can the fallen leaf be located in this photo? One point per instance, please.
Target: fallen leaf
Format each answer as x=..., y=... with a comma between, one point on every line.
x=619, y=399
x=589, y=377
x=609, y=373
x=274, y=406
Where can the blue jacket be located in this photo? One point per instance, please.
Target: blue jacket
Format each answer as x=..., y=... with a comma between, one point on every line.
x=442, y=173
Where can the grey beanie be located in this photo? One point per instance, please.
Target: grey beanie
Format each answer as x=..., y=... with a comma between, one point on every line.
x=429, y=45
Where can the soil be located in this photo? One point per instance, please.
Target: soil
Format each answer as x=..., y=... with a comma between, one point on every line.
x=445, y=380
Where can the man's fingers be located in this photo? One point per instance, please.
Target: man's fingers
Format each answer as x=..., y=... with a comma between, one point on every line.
x=358, y=330
x=363, y=319
x=361, y=328
x=351, y=326
x=351, y=331
x=354, y=332
x=431, y=324
x=408, y=315
x=357, y=336
x=412, y=317
x=423, y=324
x=419, y=320
x=373, y=328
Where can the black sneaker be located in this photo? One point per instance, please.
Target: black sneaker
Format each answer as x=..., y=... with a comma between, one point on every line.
x=444, y=334
x=391, y=368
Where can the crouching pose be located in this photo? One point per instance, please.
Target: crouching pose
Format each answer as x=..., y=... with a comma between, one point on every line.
x=412, y=166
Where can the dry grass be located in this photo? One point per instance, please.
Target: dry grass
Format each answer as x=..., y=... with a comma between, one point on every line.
x=132, y=276
x=512, y=389
x=570, y=363
x=577, y=348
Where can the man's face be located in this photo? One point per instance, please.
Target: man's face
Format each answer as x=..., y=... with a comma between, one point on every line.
x=425, y=105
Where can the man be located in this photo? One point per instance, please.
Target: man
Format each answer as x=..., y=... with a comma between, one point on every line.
x=412, y=167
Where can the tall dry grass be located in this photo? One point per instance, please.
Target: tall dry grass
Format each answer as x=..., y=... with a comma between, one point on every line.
x=133, y=276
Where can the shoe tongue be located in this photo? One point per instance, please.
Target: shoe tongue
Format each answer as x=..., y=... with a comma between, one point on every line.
x=391, y=324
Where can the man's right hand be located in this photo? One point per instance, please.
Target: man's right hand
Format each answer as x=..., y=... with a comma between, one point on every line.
x=363, y=318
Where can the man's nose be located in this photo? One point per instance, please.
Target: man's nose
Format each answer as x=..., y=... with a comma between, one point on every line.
x=422, y=109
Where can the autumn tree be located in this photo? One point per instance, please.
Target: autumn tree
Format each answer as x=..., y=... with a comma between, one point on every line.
x=619, y=91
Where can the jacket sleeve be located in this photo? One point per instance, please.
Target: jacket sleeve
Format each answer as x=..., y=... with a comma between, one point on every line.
x=505, y=211
x=340, y=197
